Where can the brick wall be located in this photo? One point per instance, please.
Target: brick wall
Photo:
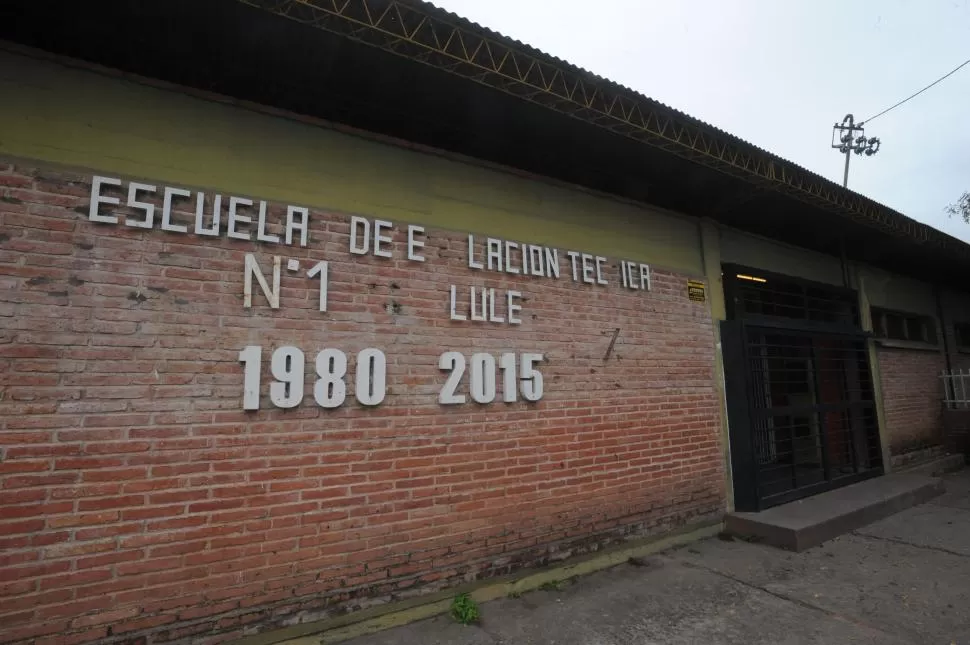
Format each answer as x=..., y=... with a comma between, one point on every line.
x=911, y=393
x=140, y=503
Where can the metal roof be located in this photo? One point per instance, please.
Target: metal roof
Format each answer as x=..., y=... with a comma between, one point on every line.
x=428, y=34
x=408, y=69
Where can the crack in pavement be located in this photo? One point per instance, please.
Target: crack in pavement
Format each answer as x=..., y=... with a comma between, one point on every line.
x=951, y=505
x=798, y=601
x=938, y=549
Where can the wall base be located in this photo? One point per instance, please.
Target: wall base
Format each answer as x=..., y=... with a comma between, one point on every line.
x=377, y=619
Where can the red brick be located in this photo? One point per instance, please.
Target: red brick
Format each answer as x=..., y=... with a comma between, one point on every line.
x=176, y=496
x=208, y=609
x=107, y=559
x=148, y=480
x=87, y=490
x=9, y=498
x=39, y=628
x=24, y=466
x=77, y=638
x=34, y=510
x=75, y=579
x=143, y=566
x=152, y=512
x=85, y=519
x=71, y=549
x=911, y=392
x=141, y=624
x=107, y=531
x=179, y=548
x=123, y=474
x=102, y=617
x=10, y=558
x=9, y=620
x=37, y=600
x=110, y=502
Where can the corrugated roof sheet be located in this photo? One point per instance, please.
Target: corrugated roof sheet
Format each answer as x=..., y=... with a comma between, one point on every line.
x=927, y=232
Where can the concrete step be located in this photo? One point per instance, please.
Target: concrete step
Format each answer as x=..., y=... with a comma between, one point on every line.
x=809, y=522
x=935, y=467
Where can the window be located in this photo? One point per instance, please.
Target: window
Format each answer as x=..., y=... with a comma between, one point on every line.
x=896, y=325
x=781, y=297
x=961, y=333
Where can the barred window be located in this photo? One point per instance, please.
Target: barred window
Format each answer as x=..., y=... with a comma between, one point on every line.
x=897, y=325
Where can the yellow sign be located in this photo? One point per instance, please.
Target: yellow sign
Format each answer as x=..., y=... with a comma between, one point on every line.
x=696, y=290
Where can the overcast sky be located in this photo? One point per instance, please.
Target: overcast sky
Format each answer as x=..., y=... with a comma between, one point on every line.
x=780, y=73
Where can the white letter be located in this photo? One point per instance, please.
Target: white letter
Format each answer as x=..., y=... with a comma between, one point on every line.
x=474, y=316
x=572, y=258
x=491, y=308
x=252, y=269
x=380, y=225
x=630, y=278
x=291, y=225
x=167, y=210
x=323, y=269
x=645, y=277
x=472, y=264
x=494, y=254
x=514, y=308
x=623, y=273
x=261, y=235
x=525, y=259
x=508, y=257
x=552, y=263
x=587, y=268
x=235, y=217
x=97, y=199
x=355, y=248
x=599, y=270
x=414, y=244
x=133, y=202
x=200, y=214
x=454, y=314
x=535, y=261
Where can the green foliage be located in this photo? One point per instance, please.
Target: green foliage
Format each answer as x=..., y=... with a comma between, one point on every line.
x=464, y=609
x=553, y=585
x=960, y=208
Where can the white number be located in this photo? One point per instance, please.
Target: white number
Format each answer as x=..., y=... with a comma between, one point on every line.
x=483, y=378
x=330, y=390
x=509, y=389
x=531, y=377
x=322, y=269
x=252, y=356
x=371, y=376
x=455, y=362
x=287, y=369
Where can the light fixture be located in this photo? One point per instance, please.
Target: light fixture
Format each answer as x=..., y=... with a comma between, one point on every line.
x=752, y=278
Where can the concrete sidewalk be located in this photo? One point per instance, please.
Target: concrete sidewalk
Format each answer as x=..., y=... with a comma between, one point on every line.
x=905, y=579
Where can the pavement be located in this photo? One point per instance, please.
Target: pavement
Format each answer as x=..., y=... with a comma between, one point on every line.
x=902, y=580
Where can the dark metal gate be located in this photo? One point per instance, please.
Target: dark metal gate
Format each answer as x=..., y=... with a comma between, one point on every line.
x=800, y=399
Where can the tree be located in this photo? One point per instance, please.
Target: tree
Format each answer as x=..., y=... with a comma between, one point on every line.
x=961, y=207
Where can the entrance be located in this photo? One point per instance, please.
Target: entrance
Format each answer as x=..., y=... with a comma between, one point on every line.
x=800, y=402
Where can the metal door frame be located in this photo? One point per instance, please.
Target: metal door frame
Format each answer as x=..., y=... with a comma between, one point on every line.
x=740, y=385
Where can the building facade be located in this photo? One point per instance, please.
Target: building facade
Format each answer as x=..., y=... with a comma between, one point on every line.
x=261, y=368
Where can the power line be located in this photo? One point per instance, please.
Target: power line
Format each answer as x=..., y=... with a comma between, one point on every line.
x=956, y=69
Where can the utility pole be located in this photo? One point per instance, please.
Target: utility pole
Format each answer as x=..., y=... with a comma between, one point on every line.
x=845, y=141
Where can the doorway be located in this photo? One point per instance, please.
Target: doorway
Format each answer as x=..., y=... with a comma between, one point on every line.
x=799, y=392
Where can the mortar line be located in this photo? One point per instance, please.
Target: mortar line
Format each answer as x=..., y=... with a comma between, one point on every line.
x=795, y=601
x=938, y=549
